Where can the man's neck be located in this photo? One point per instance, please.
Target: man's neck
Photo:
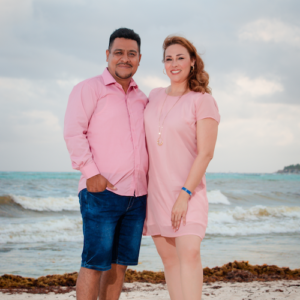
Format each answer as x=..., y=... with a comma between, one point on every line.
x=124, y=82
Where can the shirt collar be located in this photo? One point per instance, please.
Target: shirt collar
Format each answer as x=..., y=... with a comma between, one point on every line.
x=108, y=79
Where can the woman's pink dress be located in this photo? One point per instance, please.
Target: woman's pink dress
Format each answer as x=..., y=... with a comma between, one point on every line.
x=170, y=164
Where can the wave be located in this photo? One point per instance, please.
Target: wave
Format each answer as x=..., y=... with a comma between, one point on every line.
x=254, y=220
x=216, y=197
x=71, y=203
x=55, y=204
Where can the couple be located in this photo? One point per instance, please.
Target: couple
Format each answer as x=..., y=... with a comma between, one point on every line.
x=110, y=129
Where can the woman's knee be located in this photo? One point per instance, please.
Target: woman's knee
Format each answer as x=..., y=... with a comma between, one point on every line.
x=190, y=256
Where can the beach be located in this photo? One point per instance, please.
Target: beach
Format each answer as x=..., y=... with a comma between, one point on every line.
x=236, y=280
x=220, y=290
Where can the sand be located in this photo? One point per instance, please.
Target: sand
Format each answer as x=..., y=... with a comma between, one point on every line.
x=272, y=290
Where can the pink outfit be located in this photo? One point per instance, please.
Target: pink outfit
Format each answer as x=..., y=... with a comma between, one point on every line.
x=170, y=164
x=105, y=134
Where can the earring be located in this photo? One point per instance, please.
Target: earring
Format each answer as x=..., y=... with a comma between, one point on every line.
x=164, y=72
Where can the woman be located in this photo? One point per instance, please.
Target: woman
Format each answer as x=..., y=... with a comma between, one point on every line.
x=181, y=124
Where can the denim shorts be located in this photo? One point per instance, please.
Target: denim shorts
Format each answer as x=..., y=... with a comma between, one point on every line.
x=112, y=229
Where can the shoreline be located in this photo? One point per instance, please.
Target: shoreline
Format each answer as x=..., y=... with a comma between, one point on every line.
x=233, y=272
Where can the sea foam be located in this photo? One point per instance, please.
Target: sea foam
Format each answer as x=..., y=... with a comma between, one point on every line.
x=53, y=230
x=216, y=197
x=254, y=220
x=48, y=204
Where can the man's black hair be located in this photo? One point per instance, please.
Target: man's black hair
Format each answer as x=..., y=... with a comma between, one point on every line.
x=126, y=34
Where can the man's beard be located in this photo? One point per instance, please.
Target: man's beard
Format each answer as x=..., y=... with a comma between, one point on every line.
x=123, y=77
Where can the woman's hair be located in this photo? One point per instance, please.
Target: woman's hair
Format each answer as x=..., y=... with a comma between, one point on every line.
x=198, y=78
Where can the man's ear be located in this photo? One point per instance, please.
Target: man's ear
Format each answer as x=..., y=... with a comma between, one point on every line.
x=140, y=58
x=107, y=54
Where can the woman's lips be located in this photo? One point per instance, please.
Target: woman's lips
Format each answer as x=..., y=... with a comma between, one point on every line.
x=175, y=72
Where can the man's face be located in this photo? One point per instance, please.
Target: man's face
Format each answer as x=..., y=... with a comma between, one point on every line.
x=123, y=58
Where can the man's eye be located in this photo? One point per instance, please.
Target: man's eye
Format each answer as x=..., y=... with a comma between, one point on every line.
x=118, y=53
x=132, y=54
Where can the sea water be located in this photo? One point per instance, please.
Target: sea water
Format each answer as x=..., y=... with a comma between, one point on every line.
x=252, y=217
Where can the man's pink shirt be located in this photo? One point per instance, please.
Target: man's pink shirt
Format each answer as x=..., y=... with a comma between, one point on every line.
x=104, y=132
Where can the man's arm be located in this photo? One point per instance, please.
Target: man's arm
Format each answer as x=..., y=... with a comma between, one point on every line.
x=81, y=105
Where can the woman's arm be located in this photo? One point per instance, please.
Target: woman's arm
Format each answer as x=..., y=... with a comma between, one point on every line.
x=207, y=131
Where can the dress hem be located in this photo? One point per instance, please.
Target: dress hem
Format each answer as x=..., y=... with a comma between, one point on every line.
x=167, y=231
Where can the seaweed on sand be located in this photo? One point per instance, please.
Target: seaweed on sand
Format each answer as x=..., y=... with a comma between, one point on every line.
x=231, y=272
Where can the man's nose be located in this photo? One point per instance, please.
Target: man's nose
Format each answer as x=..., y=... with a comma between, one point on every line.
x=125, y=58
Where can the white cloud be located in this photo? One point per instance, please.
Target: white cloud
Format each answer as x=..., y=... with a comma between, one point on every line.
x=258, y=86
x=153, y=82
x=255, y=136
x=267, y=30
x=12, y=10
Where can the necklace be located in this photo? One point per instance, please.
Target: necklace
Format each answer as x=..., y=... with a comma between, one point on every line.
x=160, y=127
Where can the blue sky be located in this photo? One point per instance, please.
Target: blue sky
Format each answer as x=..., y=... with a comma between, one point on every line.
x=250, y=48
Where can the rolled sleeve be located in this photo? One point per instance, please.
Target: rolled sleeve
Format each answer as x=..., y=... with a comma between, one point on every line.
x=89, y=170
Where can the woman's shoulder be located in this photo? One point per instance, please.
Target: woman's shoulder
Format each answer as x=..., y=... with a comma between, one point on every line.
x=156, y=92
x=206, y=106
x=203, y=98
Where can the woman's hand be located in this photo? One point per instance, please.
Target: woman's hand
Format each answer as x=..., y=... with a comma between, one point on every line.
x=179, y=210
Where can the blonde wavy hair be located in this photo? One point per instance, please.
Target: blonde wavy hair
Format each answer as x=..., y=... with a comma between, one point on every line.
x=198, y=78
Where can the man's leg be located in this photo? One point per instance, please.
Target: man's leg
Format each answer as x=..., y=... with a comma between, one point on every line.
x=87, y=285
x=127, y=240
x=100, y=214
x=111, y=282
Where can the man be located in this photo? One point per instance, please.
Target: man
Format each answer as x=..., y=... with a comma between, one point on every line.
x=104, y=133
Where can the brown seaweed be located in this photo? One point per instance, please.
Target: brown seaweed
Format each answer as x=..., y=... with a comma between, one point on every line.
x=231, y=272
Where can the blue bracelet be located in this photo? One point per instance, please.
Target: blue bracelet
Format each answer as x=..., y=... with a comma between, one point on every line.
x=186, y=190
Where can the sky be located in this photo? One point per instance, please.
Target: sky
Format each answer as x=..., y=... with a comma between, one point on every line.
x=250, y=50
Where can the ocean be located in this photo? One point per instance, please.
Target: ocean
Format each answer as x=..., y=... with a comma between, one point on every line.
x=252, y=217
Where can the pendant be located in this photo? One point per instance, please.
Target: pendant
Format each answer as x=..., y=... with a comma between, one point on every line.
x=159, y=141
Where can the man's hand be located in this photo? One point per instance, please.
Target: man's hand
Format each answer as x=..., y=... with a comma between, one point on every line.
x=98, y=183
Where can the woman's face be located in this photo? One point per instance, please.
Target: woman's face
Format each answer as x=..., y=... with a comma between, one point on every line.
x=177, y=63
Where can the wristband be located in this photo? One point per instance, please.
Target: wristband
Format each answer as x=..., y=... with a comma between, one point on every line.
x=186, y=190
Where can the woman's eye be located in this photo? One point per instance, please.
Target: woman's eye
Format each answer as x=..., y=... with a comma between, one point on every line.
x=168, y=59
x=181, y=58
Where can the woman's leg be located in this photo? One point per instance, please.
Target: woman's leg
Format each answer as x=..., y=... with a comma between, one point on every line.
x=166, y=248
x=188, y=250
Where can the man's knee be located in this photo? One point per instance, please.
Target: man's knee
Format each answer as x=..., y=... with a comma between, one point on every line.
x=116, y=273
x=89, y=272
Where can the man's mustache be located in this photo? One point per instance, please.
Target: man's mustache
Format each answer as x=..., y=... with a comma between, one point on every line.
x=124, y=65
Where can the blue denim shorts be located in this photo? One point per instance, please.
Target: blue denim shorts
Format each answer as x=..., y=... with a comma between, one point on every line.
x=112, y=229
